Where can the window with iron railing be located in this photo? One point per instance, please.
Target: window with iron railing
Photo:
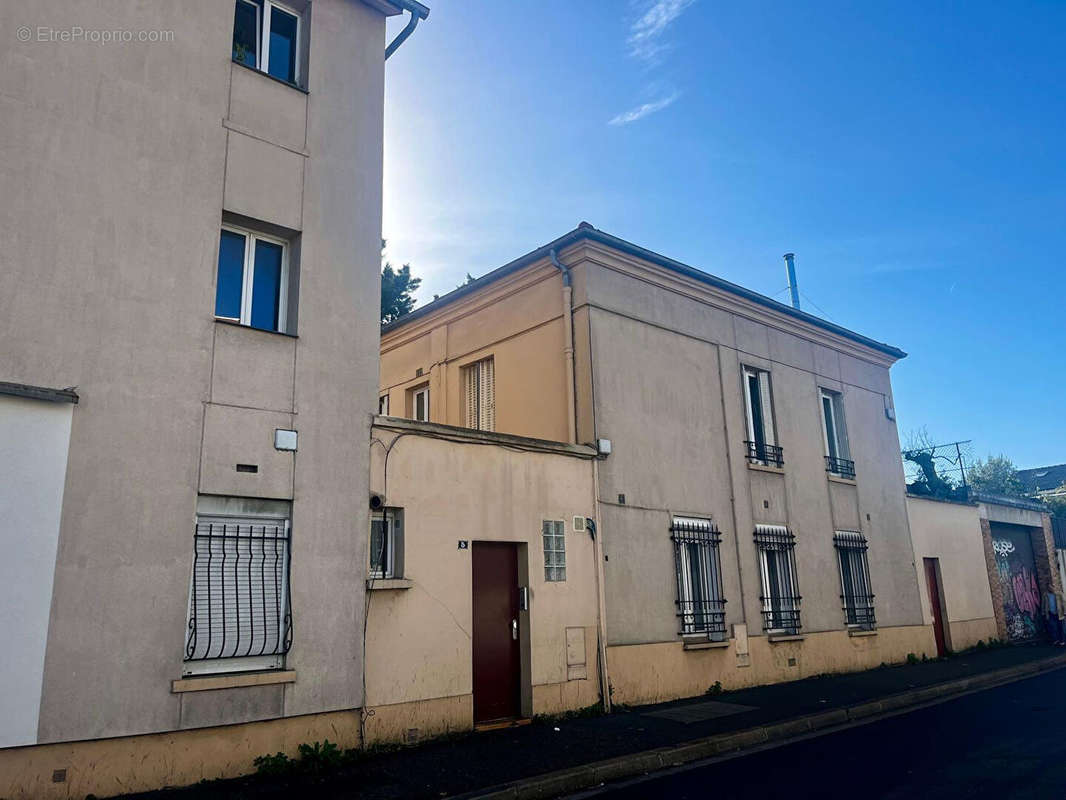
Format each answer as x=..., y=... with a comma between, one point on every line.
x=835, y=436
x=239, y=610
x=700, y=601
x=856, y=594
x=761, y=444
x=780, y=588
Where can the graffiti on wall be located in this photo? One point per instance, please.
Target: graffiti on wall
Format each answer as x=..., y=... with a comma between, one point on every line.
x=1021, y=594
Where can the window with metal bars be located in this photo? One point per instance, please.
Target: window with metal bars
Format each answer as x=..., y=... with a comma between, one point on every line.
x=479, y=395
x=239, y=610
x=761, y=444
x=780, y=587
x=700, y=604
x=554, y=534
x=856, y=594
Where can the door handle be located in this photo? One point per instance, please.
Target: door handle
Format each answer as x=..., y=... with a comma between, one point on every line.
x=514, y=629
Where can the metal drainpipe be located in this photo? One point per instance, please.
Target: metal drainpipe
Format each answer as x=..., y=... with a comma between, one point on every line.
x=568, y=350
x=601, y=591
x=417, y=12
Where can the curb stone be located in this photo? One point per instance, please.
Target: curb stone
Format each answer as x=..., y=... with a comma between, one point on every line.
x=587, y=776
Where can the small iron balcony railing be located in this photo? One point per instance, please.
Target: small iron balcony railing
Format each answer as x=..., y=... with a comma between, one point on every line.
x=762, y=453
x=859, y=611
x=843, y=467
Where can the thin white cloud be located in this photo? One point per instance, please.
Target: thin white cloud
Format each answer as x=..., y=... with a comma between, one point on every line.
x=646, y=33
x=644, y=110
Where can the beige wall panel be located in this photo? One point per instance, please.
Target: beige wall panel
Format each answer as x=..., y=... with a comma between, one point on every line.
x=226, y=706
x=244, y=436
x=107, y=767
x=264, y=181
x=786, y=348
x=252, y=368
x=267, y=109
x=655, y=673
x=631, y=296
x=845, y=505
x=952, y=533
x=826, y=362
x=768, y=503
x=419, y=645
x=864, y=374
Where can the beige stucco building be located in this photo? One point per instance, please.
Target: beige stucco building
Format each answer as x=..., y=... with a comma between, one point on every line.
x=450, y=491
x=192, y=221
x=751, y=507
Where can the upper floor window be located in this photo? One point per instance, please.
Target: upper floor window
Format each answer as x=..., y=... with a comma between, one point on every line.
x=700, y=601
x=418, y=399
x=758, y=399
x=266, y=36
x=383, y=405
x=479, y=395
x=253, y=279
x=837, y=455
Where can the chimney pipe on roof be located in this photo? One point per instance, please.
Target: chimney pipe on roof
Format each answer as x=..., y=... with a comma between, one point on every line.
x=790, y=270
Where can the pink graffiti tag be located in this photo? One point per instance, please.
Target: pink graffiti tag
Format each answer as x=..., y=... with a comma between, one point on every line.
x=1026, y=594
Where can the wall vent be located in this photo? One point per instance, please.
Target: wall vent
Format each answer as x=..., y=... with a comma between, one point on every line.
x=579, y=524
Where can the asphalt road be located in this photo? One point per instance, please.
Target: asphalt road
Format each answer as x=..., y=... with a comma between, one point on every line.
x=1007, y=742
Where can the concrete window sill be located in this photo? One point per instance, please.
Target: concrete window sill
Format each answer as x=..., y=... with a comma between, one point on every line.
x=703, y=643
x=208, y=682
x=766, y=468
x=862, y=633
x=839, y=479
x=786, y=637
x=386, y=584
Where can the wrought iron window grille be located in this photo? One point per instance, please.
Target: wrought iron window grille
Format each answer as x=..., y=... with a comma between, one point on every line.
x=856, y=595
x=762, y=453
x=700, y=602
x=843, y=467
x=239, y=604
x=780, y=587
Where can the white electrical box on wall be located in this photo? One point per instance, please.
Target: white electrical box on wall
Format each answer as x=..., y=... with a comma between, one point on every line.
x=284, y=440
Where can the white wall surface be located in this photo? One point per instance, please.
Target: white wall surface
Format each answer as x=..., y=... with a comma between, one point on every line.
x=34, y=437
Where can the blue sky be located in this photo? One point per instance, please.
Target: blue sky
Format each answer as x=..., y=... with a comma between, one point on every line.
x=912, y=155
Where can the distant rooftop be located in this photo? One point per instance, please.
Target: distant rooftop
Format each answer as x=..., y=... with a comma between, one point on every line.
x=1040, y=479
x=585, y=231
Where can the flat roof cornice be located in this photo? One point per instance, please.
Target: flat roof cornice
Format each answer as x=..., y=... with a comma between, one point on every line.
x=585, y=232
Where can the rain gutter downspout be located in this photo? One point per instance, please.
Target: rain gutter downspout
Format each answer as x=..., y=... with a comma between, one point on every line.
x=568, y=350
x=417, y=12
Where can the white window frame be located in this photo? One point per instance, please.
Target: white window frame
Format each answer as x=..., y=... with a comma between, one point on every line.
x=383, y=405
x=558, y=531
x=840, y=434
x=262, y=20
x=766, y=406
x=389, y=571
x=702, y=544
x=250, y=238
x=248, y=663
x=422, y=391
x=784, y=558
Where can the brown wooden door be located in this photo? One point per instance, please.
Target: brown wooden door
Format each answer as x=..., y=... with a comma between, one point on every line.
x=497, y=665
x=932, y=578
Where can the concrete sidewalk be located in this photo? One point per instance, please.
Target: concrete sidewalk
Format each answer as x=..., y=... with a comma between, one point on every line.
x=548, y=758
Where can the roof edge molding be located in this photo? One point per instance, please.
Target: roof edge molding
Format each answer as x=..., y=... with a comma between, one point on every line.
x=39, y=392
x=585, y=232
